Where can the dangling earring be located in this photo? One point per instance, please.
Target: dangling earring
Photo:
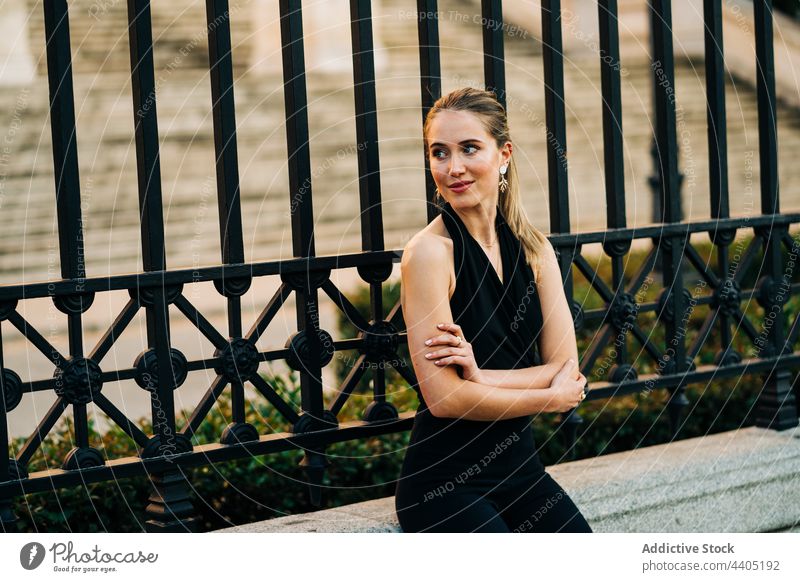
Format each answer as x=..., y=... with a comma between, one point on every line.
x=503, y=181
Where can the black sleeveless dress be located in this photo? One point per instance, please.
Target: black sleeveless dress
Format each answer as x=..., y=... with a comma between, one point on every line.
x=502, y=320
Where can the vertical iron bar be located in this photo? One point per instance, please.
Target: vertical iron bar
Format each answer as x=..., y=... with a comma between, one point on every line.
x=723, y=267
x=148, y=164
x=716, y=120
x=300, y=189
x=553, y=59
x=775, y=407
x=666, y=139
x=663, y=65
x=717, y=146
x=218, y=26
x=494, y=70
x=369, y=184
x=235, y=331
x=65, y=147
x=613, y=154
x=225, y=141
x=767, y=116
x=430, y=79
x=555, y=118
x=654, y=180
x=172, y=515
x=302, y=211
x=67, y=178
x=295, y=99
x=150, y=201
x=376, y=308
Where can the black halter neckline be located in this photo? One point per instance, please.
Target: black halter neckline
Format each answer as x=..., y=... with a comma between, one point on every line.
x=499, y=224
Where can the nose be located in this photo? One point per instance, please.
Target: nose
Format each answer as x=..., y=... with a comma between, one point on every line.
x=456, y=165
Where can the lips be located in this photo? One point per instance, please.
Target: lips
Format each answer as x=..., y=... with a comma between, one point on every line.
x=459, y=186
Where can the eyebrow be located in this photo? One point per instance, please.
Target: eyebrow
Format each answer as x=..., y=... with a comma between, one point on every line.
x=459, y=143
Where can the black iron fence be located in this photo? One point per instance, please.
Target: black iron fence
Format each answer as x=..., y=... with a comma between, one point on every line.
x=79, y=376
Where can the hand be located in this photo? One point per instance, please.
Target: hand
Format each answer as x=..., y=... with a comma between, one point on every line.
x=567, y=392
x=457, y=353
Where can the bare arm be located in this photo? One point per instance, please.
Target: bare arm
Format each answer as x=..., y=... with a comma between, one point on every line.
x=558, y=343
x=536, y=377
x=424, y=299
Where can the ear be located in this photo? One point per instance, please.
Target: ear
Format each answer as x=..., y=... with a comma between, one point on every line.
x=505, y=153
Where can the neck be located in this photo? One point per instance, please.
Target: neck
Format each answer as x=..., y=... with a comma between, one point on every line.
x=479, y=221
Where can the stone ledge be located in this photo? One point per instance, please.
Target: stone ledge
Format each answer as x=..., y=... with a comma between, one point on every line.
x=746, y=480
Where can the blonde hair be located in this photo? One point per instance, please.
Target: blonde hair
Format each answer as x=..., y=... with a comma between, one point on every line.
x=492, y=114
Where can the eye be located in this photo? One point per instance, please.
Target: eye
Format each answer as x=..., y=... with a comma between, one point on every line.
x=471, y=147
x=438, y=153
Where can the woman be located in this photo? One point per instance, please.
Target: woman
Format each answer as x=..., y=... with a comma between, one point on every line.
x=472, y=464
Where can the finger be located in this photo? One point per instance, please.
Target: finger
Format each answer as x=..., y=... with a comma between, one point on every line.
x=455, y=340
x=454, y=327
x=566, y=369
x=460, y=360
x=447, y=339
x=443, y=353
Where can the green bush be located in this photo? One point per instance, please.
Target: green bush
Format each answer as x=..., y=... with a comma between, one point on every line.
x=224, y=494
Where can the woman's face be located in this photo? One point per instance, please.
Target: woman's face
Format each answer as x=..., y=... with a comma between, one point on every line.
x=465, y=160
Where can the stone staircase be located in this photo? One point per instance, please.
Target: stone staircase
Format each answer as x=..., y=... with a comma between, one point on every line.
x=99, y=33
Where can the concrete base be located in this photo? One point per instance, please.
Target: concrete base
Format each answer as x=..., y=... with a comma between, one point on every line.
x=740, y=481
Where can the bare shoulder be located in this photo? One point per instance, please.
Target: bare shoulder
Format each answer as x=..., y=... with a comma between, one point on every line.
x=549, y=267
x=430, y=245
x=429, y=253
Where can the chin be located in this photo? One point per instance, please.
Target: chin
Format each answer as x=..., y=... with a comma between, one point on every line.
x=464, y=200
